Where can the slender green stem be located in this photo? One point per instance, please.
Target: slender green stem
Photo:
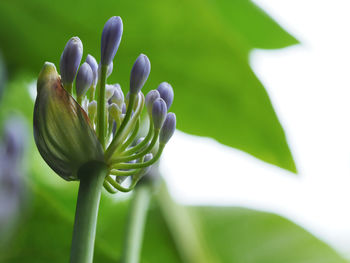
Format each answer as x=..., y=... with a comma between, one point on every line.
x=140, y=154
x=131, y=137
x=143, y=143
x=140, y=165
x=101, y=107
x=91, y=176
x=136, y=224
x=124, y=173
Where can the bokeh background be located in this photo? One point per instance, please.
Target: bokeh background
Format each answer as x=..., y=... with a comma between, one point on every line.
x=261, y=158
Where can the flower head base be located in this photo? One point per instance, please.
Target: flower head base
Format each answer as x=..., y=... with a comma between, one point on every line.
x=100, y=127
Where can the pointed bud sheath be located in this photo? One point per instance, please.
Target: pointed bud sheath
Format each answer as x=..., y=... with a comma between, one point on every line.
x=150, y=98
x=111, y=36
x=159, y=111
x=118, y=96
x=84, y=79
x=94, y=67
x=168, y=128
x=166, y=93
x=70, y=60
x=62, y=131
x=139, y=73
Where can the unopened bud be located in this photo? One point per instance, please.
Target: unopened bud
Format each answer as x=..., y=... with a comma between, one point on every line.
x=168, y=128
x=70, y=60
x=150, y=98
x=84, y=79
x=118, y=96
x=159, y=111
x=111, y=36
x=114, y=111
x=139, y=73
x=94, y=67
x=109, y=91
x=166, y=93
x=92, y=110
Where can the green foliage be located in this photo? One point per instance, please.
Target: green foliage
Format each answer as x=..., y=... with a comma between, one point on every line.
x=232, y=234
x=201, y=47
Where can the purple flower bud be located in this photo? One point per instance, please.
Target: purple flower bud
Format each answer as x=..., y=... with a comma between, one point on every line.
x=150, y=98
x=118, y=96
x=159, y=111
x=94, y=67
x=168, y=128
x=84, y=79
x=70, y=60
x=139, y=73
x=111, y=36
x=166, y=93
x=124, y=108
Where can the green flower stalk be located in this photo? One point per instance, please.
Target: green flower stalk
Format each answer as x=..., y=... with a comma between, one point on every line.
x=92, y=137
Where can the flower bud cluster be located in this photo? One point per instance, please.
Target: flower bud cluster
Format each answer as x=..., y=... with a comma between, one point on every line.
x=99, y=123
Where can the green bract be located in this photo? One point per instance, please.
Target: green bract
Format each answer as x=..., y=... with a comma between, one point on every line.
x=62, y=130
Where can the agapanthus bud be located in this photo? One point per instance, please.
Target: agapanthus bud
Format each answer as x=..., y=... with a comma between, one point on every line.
x=124, y=108
x=118, y=96
x=168, y=128
x=92, y=110
x=114, y=110
x=166, y=93
x=139, y=73
x=84, y=79
x=62, y=130
x=70, y=60
x=94, y=67
x=150, y=98
x=159, y=111
x=109, y=91
x=111, y=36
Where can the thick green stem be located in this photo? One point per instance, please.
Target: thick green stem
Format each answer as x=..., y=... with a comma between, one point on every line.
x=101, y=108
x=91, y=176
x=136, y=224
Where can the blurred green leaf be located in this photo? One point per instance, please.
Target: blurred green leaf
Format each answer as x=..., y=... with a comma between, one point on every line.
x=201, y=47
x=232, y=234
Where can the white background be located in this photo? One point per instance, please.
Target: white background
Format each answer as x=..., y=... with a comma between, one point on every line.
x=309, y=86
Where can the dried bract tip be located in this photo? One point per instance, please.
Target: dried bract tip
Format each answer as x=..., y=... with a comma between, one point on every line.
x=84, y=79
x=111, y=36
x=70, y=60
x=94, y=67
x=159, y=111
x=168, y=128
x=139, y=73
x=166, y=93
